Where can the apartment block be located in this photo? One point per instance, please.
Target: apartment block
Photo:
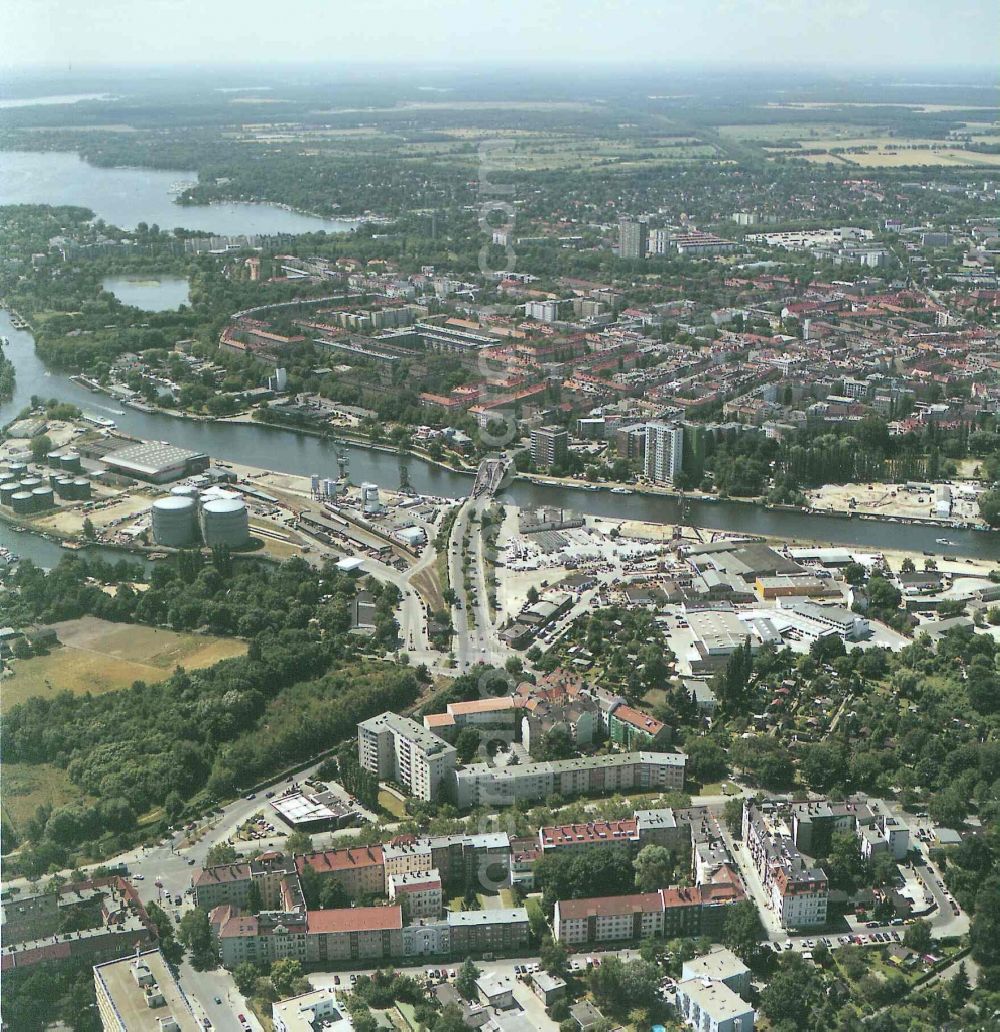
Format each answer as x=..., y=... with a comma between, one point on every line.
x=359, y=871
x=593, y=775
x=798, y=890
x=664, y=452
x=710, y=1006
x=399, y=749
x=140, y=994
x=549, y=445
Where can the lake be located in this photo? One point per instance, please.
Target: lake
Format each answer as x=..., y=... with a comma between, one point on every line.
x=150, y=293
x=125, y=197
x=55, y=98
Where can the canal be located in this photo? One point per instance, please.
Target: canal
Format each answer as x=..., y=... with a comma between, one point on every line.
x=289, y=452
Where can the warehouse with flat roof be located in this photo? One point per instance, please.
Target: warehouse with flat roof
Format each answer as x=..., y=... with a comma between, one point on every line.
x=156, y=462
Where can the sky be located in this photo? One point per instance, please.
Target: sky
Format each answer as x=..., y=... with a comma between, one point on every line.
x=829, y=34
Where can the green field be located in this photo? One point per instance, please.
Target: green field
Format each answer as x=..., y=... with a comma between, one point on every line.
x=100, y=656
x=26, y=786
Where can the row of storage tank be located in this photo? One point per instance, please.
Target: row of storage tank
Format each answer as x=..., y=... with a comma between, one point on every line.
x=26, y=492
x=216, y=517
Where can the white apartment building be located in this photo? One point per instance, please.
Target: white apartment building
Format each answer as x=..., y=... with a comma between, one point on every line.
x=398, y=749
x=713, y=1007
x=317, y=1009
x=664, y=451
x=479, y=783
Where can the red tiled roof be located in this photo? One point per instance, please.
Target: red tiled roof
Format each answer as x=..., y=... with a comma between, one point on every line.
x=637, y=719
x=355, y=919
x=341, y=859
x=610, y=906
x=582, y=834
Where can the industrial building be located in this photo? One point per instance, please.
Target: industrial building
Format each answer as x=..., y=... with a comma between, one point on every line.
x=155, y=462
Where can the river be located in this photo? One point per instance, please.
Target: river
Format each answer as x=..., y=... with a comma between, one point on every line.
x=290, y=452
x=125, y=197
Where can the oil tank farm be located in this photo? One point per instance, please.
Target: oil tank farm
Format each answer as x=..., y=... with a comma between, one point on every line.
x=175, y=522
x=224, y=521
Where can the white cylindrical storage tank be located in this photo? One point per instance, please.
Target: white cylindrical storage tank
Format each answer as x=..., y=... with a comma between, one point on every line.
x=18, y=469
x=7, y=492
x=64, y=487
x=224, y=521
x=184, y=491
x=71, y=461
x=53, y=459
x=174, y=522
x=330, y=487
x=30, y=483
x=314, y=483
x=369, y=498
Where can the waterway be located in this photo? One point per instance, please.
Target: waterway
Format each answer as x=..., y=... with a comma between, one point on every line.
x=125, y=197
x=290, y=452
x=150, y=293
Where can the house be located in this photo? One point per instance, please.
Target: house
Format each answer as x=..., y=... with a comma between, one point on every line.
x=496, y=990
x=586, y=1016
x=548, y=988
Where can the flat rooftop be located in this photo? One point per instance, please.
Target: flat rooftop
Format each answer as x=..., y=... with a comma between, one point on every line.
x=129, y=998
x=151, y=458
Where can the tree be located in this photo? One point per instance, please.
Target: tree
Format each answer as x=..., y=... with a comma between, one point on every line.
x=196, y=934
x=844, y=864
x=984, y=934
x=706, y=759
x=918, y=936
x=959, y=988
x=465, y=983
x=823, y=765
x=654, y=868
x=287, y=978
x=989, y=506
x=40, y=447
x=254, y=901
x=467, y=743
x=732, y=813
x=220, y=853
x=855, y=573
x=792, y=992
x=742, y=930
x=88, y=529
x=553, y=956
x=245, y=976
x=299, y=842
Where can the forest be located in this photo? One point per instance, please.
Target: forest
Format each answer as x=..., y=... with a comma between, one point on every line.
x=300, y=690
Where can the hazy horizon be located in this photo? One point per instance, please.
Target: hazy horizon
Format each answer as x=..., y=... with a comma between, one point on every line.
x=58, y=38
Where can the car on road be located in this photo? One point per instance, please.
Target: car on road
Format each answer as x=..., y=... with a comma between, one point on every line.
x=190, y=861
x=218, y=1000
x=268, y=795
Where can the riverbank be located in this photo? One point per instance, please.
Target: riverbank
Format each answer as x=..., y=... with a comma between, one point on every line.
x=276, y=447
